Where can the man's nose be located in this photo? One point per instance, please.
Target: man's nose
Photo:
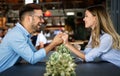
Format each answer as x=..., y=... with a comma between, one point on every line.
x=42, y=20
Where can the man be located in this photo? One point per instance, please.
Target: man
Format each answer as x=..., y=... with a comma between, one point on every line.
x=17, y=41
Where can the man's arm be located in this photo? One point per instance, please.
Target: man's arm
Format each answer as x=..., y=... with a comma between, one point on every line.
x=56, y=41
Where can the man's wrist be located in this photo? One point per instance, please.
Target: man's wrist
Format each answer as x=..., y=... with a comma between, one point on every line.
x=53, y=44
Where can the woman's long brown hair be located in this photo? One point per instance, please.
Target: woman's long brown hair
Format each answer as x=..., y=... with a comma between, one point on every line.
x=104, y=23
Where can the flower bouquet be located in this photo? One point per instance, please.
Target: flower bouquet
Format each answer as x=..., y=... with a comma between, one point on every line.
x=60, y=63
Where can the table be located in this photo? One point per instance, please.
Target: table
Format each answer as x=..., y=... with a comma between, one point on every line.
x=82, y=69
x=79, y=42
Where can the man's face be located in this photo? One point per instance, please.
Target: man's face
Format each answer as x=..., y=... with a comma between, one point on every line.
x=37, y=20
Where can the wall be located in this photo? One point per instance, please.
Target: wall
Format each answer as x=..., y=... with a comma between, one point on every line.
x=115, y=14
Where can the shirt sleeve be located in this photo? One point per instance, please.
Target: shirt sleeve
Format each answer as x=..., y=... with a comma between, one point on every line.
x=23, y=47
x=105, y=46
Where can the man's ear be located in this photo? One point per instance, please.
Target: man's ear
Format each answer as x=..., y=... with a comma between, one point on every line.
x=30, y=18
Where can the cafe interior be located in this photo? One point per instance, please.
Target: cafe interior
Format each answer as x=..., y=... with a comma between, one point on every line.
x=60, y=15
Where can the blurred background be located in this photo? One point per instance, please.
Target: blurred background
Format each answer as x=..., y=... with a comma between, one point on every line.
x=60, y=15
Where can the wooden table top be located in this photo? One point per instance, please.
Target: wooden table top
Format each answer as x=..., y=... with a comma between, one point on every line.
x=79, y=41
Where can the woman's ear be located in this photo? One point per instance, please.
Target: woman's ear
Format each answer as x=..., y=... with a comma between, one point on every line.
x=95, y=19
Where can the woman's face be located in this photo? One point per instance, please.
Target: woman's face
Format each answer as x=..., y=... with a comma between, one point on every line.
x=89, y=20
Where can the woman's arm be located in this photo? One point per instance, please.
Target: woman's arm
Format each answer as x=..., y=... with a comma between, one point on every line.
x=75, y=51
x=72, y=48
x=92, y=53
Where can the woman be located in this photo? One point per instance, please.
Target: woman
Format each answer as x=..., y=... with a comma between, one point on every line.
x=104, y=43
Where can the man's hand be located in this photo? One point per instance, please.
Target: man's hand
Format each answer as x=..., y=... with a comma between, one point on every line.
x=58, y=39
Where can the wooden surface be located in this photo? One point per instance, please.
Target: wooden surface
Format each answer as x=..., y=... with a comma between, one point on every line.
x=79, y=42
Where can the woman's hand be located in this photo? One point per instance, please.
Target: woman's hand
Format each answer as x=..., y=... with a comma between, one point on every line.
x=65, y=38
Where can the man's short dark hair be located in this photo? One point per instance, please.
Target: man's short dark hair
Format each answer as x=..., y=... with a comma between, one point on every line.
x=28, y=8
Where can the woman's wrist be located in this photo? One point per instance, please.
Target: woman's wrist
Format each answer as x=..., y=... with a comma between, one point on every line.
x=66, y=44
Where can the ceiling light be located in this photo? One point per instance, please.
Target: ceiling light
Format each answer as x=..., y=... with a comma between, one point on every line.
x=70, y=13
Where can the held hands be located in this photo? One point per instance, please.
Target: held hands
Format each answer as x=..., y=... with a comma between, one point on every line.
x=60, y=38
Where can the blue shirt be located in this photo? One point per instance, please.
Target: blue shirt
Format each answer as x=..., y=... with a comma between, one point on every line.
x=104, y=52
x=16, y=44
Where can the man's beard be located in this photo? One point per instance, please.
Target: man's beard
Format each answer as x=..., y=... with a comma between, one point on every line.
x=35, y=28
